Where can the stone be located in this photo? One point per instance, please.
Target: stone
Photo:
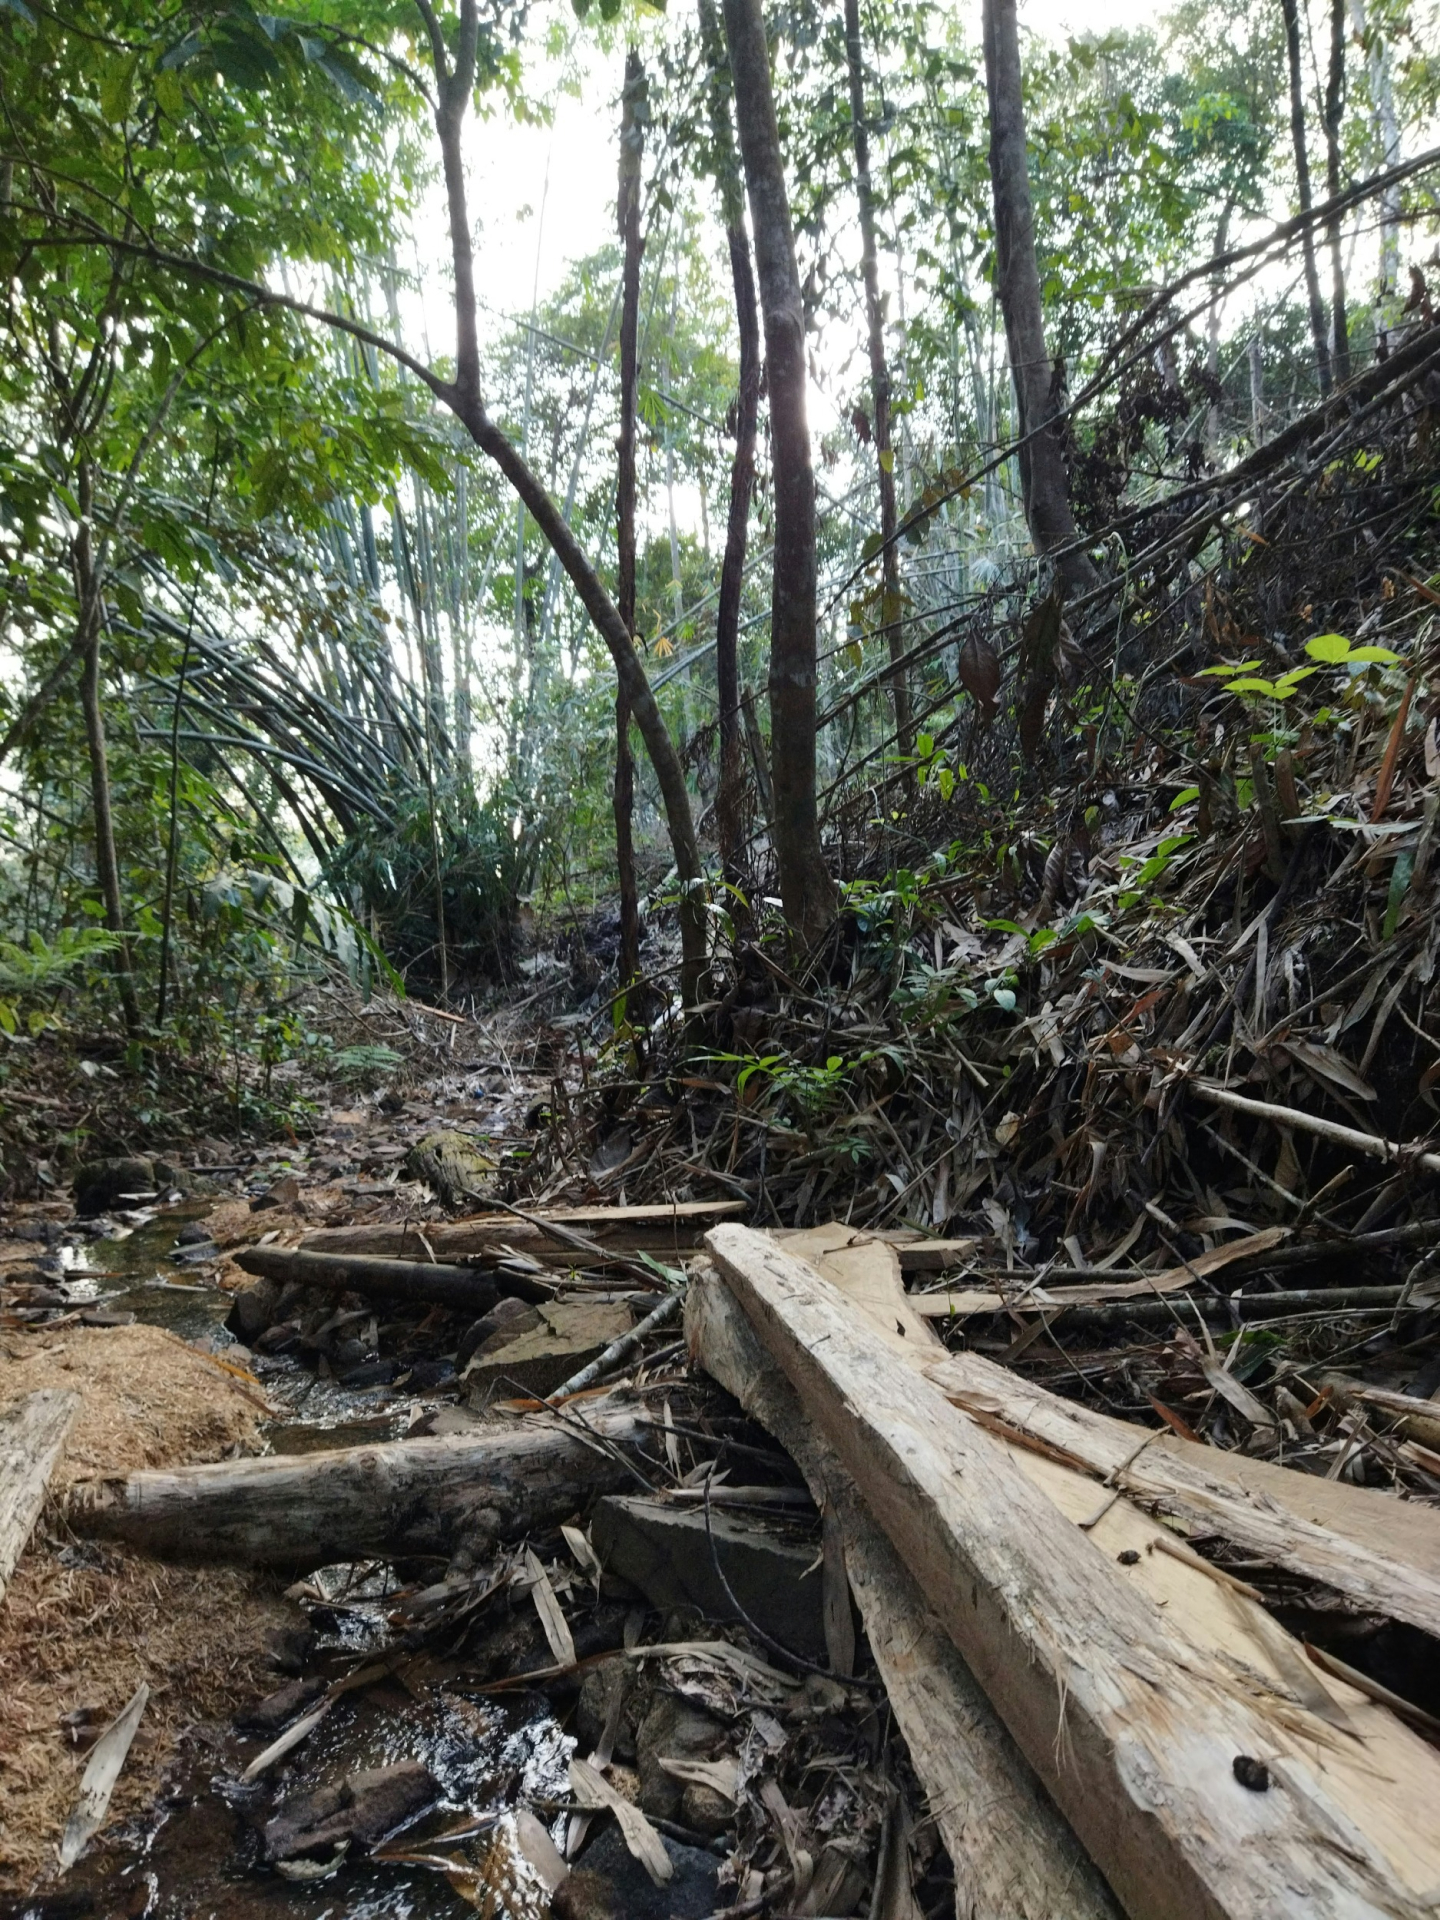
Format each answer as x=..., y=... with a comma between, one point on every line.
x=673, y=1729
x=194, y=1233
x=284, y=1192
x=706, y=1810
x=103, y=1184
x=567, y=1335
x=278, y=1709
x=608, y=1883
x=665, y=1553
x=451, y=1165
x=362, y=1808
x=597, y=1695
x=512, y=1317
x=253, y=1310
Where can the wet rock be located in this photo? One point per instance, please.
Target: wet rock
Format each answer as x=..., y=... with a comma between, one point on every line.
x=290, y=1649
x=568, y=1336
x=424, y=1376
x=608, y=1883
x=194, y=1233
x=666, y=1553
x=197, y=1255
x=278, y=1709
x=371, y=1373
x=597, y=1695
x=102, y=1184
x=507, y=1316
x=673, y=1729
x=283, y=1337
x=253, y=1310
x=361, y=1809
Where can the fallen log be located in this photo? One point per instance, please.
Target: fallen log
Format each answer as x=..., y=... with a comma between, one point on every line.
x=32, y=1432
x=1167, y=1311
x=1014, y=1856
x=409, y=1282
x=1206, y=1766
x=1415, y=1419
x=387, y=1501
x=664, y=1231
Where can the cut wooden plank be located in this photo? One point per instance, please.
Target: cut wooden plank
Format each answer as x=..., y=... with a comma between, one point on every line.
x=1382, y=1554
x=867, y=1270
x=1132, y=1689
x=1015, y=1857
x=32, y=1432
x=400, y=1497
x=665, y=1229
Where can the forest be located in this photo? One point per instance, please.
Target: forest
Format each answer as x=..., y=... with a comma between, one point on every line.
x=719, y=787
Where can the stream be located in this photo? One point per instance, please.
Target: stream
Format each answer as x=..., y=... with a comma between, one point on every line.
x=197, y=1854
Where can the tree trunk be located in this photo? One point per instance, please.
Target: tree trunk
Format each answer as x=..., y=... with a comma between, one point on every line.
x=400, y=1498
x=107, y=864
x=806, y=890
x=1043, y=483
x=742, y=467
x=1382, y=100
x=1334, y=108
x=1291, y=11
x=891, y=603
x=632, y=152
x=454, y=82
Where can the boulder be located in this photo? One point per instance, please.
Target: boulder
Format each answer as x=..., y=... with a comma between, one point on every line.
x=566, y=1336
x=103, y=1184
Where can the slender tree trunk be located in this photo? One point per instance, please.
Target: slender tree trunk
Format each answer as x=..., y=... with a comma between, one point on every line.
x=632, y=152
x=891, y=602
x=454, y=81
x=1043, y=482
x=806, y=890
x=1334, y=109
x=107, y=864
x=742, y=467
x=1291, y=11
x=1382, y=101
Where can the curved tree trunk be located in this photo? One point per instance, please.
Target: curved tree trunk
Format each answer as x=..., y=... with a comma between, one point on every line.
x=806, y=890
x=1291, y=11
x=1043, y=479
x=742, y=467
x=632, y=151
x=454, y=81
x=891, y=601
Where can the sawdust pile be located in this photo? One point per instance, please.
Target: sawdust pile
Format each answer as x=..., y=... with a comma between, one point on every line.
x=80, y=1626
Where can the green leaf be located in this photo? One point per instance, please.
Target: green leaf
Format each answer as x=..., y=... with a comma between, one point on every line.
x=1219, y=673
x=1331, y=649
x=1184, y=797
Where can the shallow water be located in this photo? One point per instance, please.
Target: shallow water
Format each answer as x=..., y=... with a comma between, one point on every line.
x=197, y=1854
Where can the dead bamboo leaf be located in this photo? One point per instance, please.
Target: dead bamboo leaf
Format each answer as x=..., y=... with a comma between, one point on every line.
x=592, y=1789
x=102, y=1771
x=557, y=1628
